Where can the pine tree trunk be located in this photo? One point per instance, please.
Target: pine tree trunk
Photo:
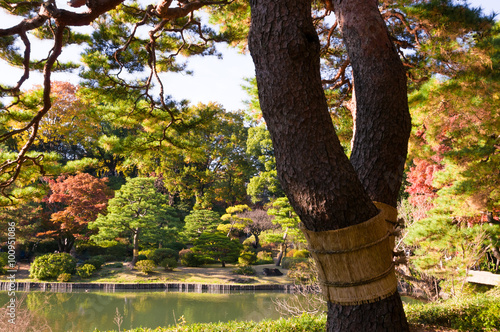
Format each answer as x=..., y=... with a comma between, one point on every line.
x=135, y=254
x=324, y=188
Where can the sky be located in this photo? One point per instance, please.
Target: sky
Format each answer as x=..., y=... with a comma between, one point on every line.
x=214, y=80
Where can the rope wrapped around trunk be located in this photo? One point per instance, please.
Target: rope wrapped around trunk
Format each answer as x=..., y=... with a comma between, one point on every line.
x=355, y=264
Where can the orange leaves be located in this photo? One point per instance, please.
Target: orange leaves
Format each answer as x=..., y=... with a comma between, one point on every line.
x=83, y=198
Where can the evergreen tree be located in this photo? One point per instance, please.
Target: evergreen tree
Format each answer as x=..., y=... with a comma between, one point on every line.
x=219, y=247
x=139, y=213
x=198, y=222
x=454, y=149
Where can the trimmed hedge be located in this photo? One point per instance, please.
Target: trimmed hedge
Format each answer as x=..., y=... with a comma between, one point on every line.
x=85, y=271
x=50, y=266
x=145, y=266
x=247, y=258
x=96, y=261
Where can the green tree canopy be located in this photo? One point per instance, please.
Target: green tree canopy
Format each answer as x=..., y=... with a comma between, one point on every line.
x=200, y=221
x=454, y=181
x=219, y=247
x=137, y=212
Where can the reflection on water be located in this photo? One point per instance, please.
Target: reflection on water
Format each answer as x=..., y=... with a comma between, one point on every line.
x=83, y=311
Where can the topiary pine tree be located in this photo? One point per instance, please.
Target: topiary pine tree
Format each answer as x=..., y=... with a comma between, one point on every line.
x=137, y=212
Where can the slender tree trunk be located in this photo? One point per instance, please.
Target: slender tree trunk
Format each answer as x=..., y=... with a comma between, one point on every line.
x=324, y=188
x=135, y=254
x=281, y=254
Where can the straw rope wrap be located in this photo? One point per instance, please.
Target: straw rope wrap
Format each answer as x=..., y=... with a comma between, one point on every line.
x=355, y=264
x=390, y=214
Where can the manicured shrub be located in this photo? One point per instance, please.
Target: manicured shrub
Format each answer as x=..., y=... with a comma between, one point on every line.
x=247, y=258
x=190, y=258
x=148, y=253
x=160, y=254
x=64, y=277
x=108, y=258
x=141, y=257
x=264, y=257
x=289, y=262
x=115, y=265
x=245, y=270
x=96, y=261
x=169, y=263
x=50, y=266
x=146, y=266
x=248, y=242
x=303, y=253
x=85, y=271
x=88, y=249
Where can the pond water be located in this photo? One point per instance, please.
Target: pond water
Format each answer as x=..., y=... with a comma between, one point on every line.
x=86, y=311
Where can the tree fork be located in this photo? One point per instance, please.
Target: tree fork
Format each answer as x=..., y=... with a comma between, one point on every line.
x=321, y=183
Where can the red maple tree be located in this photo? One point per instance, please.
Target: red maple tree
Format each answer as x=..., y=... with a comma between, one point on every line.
x=76, y=201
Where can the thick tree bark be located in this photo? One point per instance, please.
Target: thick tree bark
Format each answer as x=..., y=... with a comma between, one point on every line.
x=324, y=188
x=382, y=119
x=316, y=175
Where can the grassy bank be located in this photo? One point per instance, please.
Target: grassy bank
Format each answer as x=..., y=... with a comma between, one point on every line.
x=116, y=272
x=480, y=312
x=293, y=324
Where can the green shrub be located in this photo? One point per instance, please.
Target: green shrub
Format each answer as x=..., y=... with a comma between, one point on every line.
x=148, y=253
x=4, y=260
x=190, y=258
x=64, y=277
x=264, y=257
x=247, y=258
x=474, y=313
x=249, y=241
x=108, y=258
x=146, y=266
x=50, y=266
x=141, y=257
x=46, y=246
x=96, y=261
x=303, y=253
x=160, y=254
x=117, y=265
x=169, y=263
x=289, y=262
x=88, y=249
x=245, y=270
x=85, y=271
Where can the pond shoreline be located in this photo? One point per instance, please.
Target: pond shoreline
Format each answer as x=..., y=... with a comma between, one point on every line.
x=112, y=287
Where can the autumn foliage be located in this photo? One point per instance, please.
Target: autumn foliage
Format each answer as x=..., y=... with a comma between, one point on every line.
x=76, y=201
